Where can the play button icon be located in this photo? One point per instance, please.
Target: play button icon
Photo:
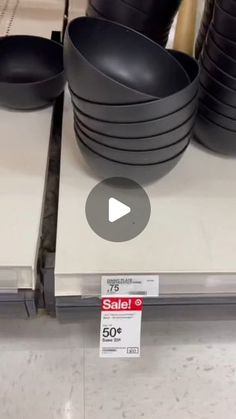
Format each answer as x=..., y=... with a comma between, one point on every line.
x=117, y=209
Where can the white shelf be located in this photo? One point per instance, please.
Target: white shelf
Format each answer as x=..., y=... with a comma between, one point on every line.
x=190, y=238
x=24, y=142
x=32, y=17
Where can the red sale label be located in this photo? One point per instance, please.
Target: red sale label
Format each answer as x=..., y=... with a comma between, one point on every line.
x=120, y=327
x=122, y=304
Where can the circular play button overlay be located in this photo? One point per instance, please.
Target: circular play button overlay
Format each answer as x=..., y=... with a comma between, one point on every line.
x=118, y=209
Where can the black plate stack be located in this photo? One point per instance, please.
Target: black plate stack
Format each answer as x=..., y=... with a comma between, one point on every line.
x=150, y=17
x=216, y=122
x=134, y=102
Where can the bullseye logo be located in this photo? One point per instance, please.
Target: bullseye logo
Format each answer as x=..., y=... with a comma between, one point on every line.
x=138, y=302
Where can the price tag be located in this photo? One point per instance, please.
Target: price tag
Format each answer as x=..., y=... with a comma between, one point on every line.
x=120, y=327
x=133, y=285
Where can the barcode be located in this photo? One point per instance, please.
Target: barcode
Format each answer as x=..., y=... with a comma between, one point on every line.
x=137, y=292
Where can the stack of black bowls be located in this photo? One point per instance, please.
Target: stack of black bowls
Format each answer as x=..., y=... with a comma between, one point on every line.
x=150, y=17
x=216, y=123
x=204, y=26
x=134, y=102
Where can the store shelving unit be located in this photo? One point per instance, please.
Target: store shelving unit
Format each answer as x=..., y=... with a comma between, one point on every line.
x=24, y=144
x=190, y=240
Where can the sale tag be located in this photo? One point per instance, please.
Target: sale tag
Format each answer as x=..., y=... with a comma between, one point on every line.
x=120, y=327
x=133, y=285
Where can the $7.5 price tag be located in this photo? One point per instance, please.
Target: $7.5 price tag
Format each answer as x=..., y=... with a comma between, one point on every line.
x=120, y=327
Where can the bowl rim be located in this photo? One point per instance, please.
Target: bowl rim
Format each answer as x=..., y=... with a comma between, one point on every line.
x=126, y=29
x=130, y=106
x=133, y=150
x=131, y=164
x=143, y=138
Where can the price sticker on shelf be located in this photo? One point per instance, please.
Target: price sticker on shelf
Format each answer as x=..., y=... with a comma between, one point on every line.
x=130, y=285
x=120, y=328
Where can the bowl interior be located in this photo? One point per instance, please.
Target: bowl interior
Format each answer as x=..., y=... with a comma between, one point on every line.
x=28, y=59
x=102, y=42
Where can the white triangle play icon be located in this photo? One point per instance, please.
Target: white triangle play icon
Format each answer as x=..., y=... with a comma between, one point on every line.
x=117, y=210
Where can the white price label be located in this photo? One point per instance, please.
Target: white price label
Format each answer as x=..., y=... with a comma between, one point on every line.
x=120, y=327
x=133, y=285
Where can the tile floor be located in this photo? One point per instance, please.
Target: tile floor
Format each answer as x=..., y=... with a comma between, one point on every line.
x=52, y=371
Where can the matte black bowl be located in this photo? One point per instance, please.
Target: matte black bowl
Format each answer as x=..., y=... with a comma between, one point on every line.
x=106, y=56
x=217, y=89
x=217, y=118
x=225, y=44
x=216, y=105
x=151, y=28
x=31, y=72
x=214, y=137
x=122, y=13
x=216, y=71
x=138, y=129
x=147, y=143
x=167, y=9
x=143, y=174
x=224, y=22
x=228, y=6
x=134, y=157
x=224, y=61
x=149, y=110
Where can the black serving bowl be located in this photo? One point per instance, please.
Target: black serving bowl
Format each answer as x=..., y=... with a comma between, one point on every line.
x=134, y=156
x=143, y=174
x=225, y=44
x=217, y=89
x=214, y=137
x=148, y=26
x=204, y=26
x=138, y=129
x=106, y=56
x=216, y=105
x=31, y=72
x=166, y=9
x=149, y=110
x=217, y=118
x=228, y=6
x=224, y=22
x=146, y=143
x=224, y=61
x=216, y=71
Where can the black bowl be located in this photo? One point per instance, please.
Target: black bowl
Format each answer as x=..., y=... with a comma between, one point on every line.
x=224, y=22
x=228, y=6
x=167, y=9
x=105, y=168
x=151, y=28
x=225, y=44
x=149, y=110
x=31, y=72
x=138, y=129
x=217, y=89
x=147, y=143
x=214, y=137
x=123, y=13
x=134, y=156
x=216, y=71
x=224, y=61
x=217, y=118
x=215, y=104
x=204, y=26
x=111, y=73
